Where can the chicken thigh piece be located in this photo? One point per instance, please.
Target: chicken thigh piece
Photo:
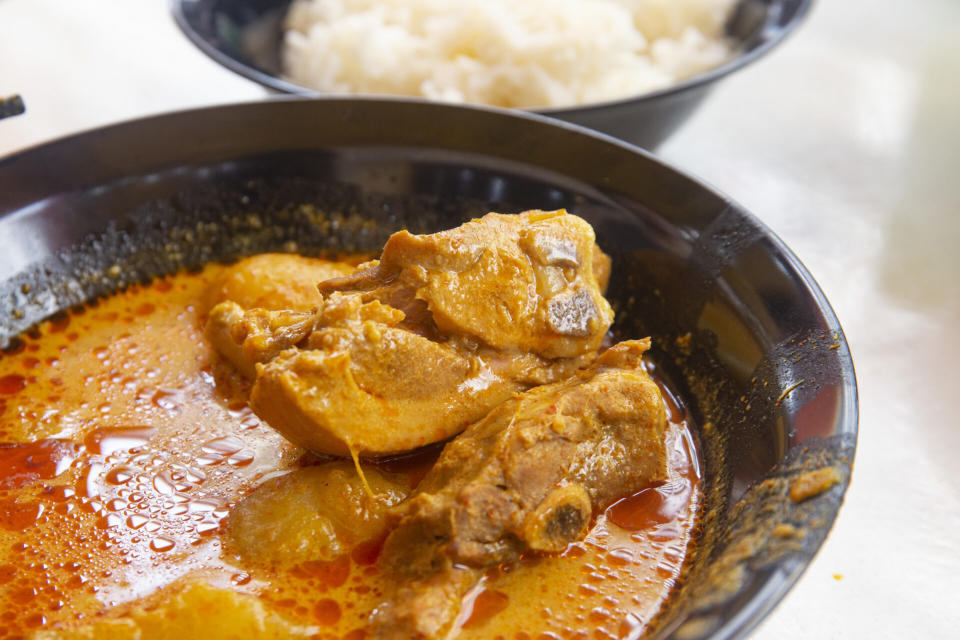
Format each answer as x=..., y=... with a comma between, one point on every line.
x=362, y=385
x=522, y=283
x=529, y=476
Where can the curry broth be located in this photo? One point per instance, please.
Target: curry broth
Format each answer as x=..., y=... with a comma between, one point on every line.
x=127, y=442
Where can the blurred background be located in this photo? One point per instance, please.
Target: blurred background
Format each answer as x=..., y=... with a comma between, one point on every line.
x=845, y=141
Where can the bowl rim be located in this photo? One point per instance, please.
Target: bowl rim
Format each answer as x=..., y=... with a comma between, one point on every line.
x=774, y=35
x=772, y=588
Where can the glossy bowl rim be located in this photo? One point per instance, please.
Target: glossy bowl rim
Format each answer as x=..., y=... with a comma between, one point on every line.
x=709, y=76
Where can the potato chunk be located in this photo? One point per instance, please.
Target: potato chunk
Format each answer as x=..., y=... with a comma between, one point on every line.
x=196, y=610
x=274, y=281
x=312, y=514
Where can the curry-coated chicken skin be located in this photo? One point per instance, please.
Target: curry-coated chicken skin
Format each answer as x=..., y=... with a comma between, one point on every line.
x=412, y=348
x=529, y=476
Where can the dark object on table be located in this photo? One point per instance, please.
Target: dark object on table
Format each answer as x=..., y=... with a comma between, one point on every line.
x=245, y=36
x=12, y=106
x=739, y=327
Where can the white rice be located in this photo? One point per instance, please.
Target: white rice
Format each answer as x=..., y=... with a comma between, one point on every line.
x=511, y=53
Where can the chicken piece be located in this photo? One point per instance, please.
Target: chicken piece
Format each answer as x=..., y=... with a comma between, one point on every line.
x=413, y=348
x=423, y=608
x=522, y=283
x=312, y=514
x=274, y=281
x=529, y=476
x=363, y=385
x=246, y=338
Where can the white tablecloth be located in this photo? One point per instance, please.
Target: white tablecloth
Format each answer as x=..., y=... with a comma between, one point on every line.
x=846, y=141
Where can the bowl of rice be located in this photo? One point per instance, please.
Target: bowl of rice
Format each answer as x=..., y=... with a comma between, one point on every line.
x=635, y=69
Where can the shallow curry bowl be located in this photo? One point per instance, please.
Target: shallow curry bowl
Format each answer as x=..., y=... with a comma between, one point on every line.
x=740, y=328
x=246, y=37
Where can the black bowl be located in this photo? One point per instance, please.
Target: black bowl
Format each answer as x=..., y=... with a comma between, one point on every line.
x=245, y=36
x=740, y=328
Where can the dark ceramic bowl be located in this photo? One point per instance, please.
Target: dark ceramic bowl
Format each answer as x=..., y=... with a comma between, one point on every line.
x=246, y=36
x=739, y=326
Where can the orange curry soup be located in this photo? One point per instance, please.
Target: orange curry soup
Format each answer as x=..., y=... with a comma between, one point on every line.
x=124, y=443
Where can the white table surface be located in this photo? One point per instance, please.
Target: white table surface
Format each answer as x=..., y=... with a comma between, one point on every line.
x=846, y=141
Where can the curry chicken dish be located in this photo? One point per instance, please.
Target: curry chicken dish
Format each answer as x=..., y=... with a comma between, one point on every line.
x=443, y=442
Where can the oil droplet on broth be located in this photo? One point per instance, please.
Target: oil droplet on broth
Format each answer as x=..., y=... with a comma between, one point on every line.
x=485, y=605
x=105, y=441
x=23, y=463
x=166, y=399
x=162, y=544
x=222, y=446
x=240, y=458
x=119, y=475
x=88, y=485
x=650, y=507
x=327, y=612
x=163, y=484
x=13, y=383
